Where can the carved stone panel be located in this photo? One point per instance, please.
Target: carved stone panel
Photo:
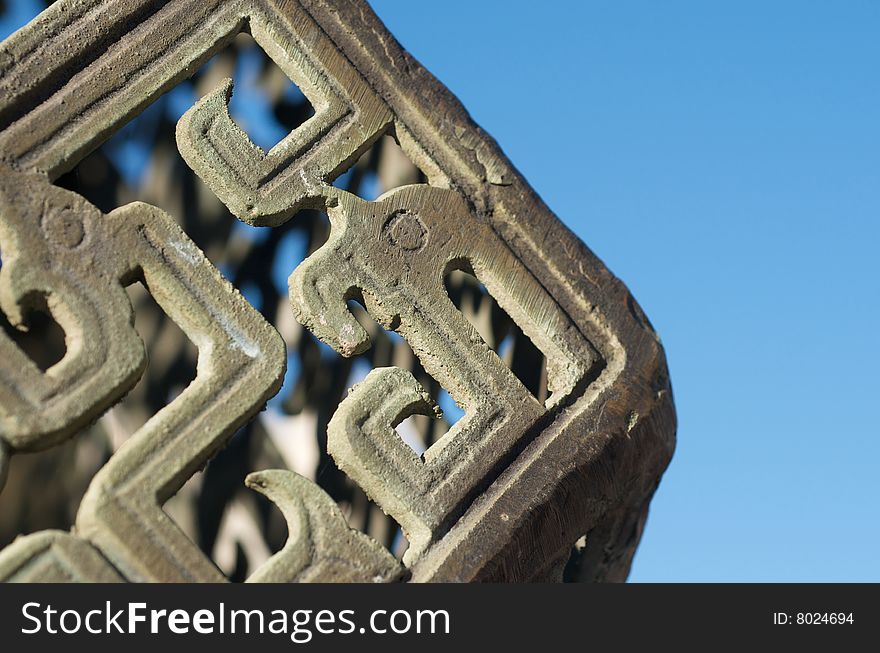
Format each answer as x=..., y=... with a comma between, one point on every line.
x=507, y=494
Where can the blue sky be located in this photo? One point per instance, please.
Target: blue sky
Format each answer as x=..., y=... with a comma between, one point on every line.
x=723, y=159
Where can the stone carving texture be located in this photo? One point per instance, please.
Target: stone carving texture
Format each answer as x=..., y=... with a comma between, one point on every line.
x=503, y=496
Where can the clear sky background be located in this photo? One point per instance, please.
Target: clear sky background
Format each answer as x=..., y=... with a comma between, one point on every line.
x=723, y=159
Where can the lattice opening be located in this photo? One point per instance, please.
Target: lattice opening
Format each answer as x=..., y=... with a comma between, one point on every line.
x=265, y=103
x=43, y=490
x=240, y=545
x=42, y=338
x=498, y=330
x=171, y=367
x=235, y=527
x=390, y=349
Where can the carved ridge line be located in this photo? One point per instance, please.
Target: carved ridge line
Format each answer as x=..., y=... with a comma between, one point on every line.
x=40, y=155
x=396, y=101
x=77, y=58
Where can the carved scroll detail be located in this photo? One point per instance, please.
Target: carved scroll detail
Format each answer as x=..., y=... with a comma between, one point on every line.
x=321, y=547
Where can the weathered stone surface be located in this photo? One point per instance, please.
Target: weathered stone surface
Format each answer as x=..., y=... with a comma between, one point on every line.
x=54, y=557
x=503, y=496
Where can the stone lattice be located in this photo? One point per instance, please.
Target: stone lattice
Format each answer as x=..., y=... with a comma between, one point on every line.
x=505, y=495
